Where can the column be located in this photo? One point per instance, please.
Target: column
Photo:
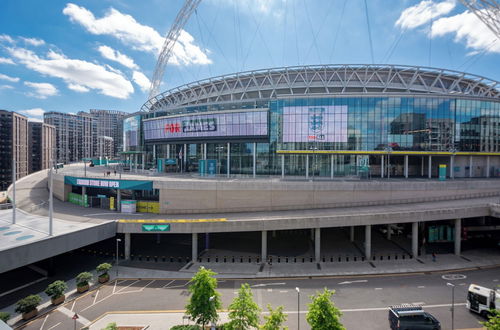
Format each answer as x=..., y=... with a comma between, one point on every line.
x=470, y=166
x=351, y=234
x=389, y=232
x=184, y=157
x=307, y=166
x=332, y=169
x=127, y=246
x=388, y=166
x=487, y=166
x=422, y=167
x=406, y=166
x=414, y=239
x=204, y=151
x=84, y=191
x=429, y=167
x=254, y=158
x=263, y=254
x=382, y=166
x=282, y=166
x=143, y=160
x=452, y=161
x=194, y=247
x=135, y=163
x=458, y=236
x=118, y=200
x=168, y=150
x=368, y=242
x=228, y=165
x=317, y=244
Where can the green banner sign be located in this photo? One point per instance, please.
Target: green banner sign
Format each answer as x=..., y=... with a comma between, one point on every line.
x=109, y=183
x=151, y=228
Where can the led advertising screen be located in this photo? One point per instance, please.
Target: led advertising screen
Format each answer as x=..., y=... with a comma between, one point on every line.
x=229, y=124
x=131, y=131
x=315, y=123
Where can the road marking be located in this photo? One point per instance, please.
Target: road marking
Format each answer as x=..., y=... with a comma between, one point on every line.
x=81, y=319
x=44, y=320
x=387, y=308
x=350, y=282
x=378, y=288
x=453, y=277
x=462, y=283
x=176, y=286
x=269, y=290
x=168, y=284
x=268, y=284
x=109, y=296
x=283, y=291
x=95, y=298
x=421, y=287
x=140, y=290
x=55, y=325
x=73, y=305
x=419, y=303
x=495, y=280
x=114, y=287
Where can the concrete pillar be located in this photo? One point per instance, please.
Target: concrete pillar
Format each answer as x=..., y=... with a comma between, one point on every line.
x=118, y=200
x=429, y=167
x=458, y=236
x=143, y=156
x=228, y=159
x=406, y=166
x=184, y=158
x=194, y=247
x=168, y=150
x=282, y=166
x=127, y=246
x=351, y=234
x=382, y=166
x=389, y=232
x=332, y=168
x=317, y=244
x=307, y=166
x=452, y=161
x=263, y=254
x=368, y=242
x=154, y=153
x=487, y=166
x=422, y=167
x=470, y=166
x=414, y=239
x=204, y=151
x=254, y=161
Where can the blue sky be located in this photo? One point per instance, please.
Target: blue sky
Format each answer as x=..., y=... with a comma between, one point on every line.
x=77, y=55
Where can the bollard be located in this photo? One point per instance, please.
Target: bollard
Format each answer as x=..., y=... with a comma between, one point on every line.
x=140, y=257
x=171, y=259
x=286, y=259
x=354, y=258
x=225, y=259
x=347, y=258
x=258, y=260
x=381, y=257
x=147, y=258
x=279, y=259
x=294, y=259
x=340, y=259
x=163, y=258
x=232, y=260
x=179, y=259
x=362, y=258
x=310, y=259
x=241, y=259
x=374, y=258
x=389, y=257
x=208, y=259
x=403, y=256
x=303, y=259
x=249, y=260
x=323, y=259
x=156, y=259
x=395, y=257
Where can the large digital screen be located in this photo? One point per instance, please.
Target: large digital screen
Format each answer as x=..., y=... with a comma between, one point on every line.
x=315, y=123
x=131, y=127
x=229, y=124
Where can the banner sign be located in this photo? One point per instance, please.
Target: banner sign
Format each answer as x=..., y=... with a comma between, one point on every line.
x=315, y=123
x=107, y=183
x=228, y=124
x=150, y=228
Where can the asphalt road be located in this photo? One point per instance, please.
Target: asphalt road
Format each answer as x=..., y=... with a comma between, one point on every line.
x=363, y=300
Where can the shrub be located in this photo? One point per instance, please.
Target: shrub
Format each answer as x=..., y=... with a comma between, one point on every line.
x=4, y=316
x=103, y=269
x=83, y=279
x=56, y=289
x=185, y=327
x=111, y=326
x=28, y=304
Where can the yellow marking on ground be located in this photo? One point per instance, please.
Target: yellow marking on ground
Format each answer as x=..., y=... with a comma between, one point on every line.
x=171, y=220
x=384, y=152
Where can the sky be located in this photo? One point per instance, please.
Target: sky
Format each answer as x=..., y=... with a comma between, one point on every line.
x=77, y=55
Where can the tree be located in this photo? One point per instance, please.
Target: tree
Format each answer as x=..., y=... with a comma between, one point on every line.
x=275, y=319
x=56, y=289
x=493, y=322
x=322, y=313
x=205, y=300
x=243, y=311
x=28, y=304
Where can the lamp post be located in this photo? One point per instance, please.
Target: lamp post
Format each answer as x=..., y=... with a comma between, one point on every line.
x=118, y=240
x=452, y=305
x=84, y=167
x=298, y=307
x=210, y=301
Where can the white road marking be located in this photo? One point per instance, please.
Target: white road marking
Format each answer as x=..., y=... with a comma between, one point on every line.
x=266, y=284
x=44, y=320
x=95, y=298
x=168, y=284
x=421, y=287
x=378, y=288
x=73, y=305
x=495, y=280
x=109, y=296
x=176, y=286
x=283, y=291
x=350, y=282
x=269, y=290
x=139, y=290
x=384, y=308
x=419, y=303
x=70, y=314
x=55, y=325
x=114, y=287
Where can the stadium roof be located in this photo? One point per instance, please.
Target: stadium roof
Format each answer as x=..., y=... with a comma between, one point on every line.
x=345, y=79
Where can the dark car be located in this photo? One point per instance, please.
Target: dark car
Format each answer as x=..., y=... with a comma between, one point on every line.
x=409, y=317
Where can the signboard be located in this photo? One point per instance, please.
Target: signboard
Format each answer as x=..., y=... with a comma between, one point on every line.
x=131, y=126
x=226, y=124
x=202, y=167
x=211, y=167
x=154, y=228
x=108, y=183
x=442, y=172
x=315, y=123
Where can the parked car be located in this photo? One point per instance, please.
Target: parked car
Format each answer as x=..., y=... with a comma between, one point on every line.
x=410, y=317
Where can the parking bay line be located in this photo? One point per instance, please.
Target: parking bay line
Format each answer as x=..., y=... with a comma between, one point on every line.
x=140, y=290
x=44, y=320
x=55, y=325
x=108, y=296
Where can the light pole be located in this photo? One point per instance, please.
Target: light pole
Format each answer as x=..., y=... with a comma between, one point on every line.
x=118, y=240
x=298, y=307
x=210, y=301
x=85, y=167
x=452, y=305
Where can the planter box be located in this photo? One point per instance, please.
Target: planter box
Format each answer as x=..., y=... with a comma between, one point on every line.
x=58, y=300
x=82, y=289
x=29, y=315
x=103, y=278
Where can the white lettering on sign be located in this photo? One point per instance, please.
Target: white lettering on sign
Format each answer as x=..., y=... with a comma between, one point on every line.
x=98, y=183
x=83, y=182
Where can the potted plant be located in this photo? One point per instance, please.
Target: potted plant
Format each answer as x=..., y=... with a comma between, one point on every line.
x=103, y=270
x=28, y=306
x=4, y=316
x=55, y=291
x=82, y=281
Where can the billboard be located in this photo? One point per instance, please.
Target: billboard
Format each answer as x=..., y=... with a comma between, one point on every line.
x=131, y=127
x=315, y=123
x=228, y=124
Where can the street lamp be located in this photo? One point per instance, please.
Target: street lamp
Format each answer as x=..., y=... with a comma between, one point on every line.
x=118, y=240
x=210, y=301
x=298, y=307
x=452, y=305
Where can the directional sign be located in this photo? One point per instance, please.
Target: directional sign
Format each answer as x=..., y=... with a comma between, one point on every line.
x=75, y=317
x=150, y=228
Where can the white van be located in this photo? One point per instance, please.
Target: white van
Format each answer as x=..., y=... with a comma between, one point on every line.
x=481, y=300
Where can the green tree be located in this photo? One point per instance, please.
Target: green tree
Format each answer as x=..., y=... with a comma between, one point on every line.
x=322, y=313
x=493, y=322
x=204, y=300
x=275, y=319
x=111, y=326
x=243, y=311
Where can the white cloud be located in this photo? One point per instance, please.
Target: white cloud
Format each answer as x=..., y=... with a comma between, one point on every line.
x=42, y=90
x=8, y=78
x=4, y=60
x=469, y=29
x=4, y=37
x=423, y=12
x=33, y=41
x=76, y=72
x=33, y=119
x=35, y=112
x=256, y=7
x=114, y=55
x=141, y=80
x=6, y=87
x=140, y=37
x=78, y=88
